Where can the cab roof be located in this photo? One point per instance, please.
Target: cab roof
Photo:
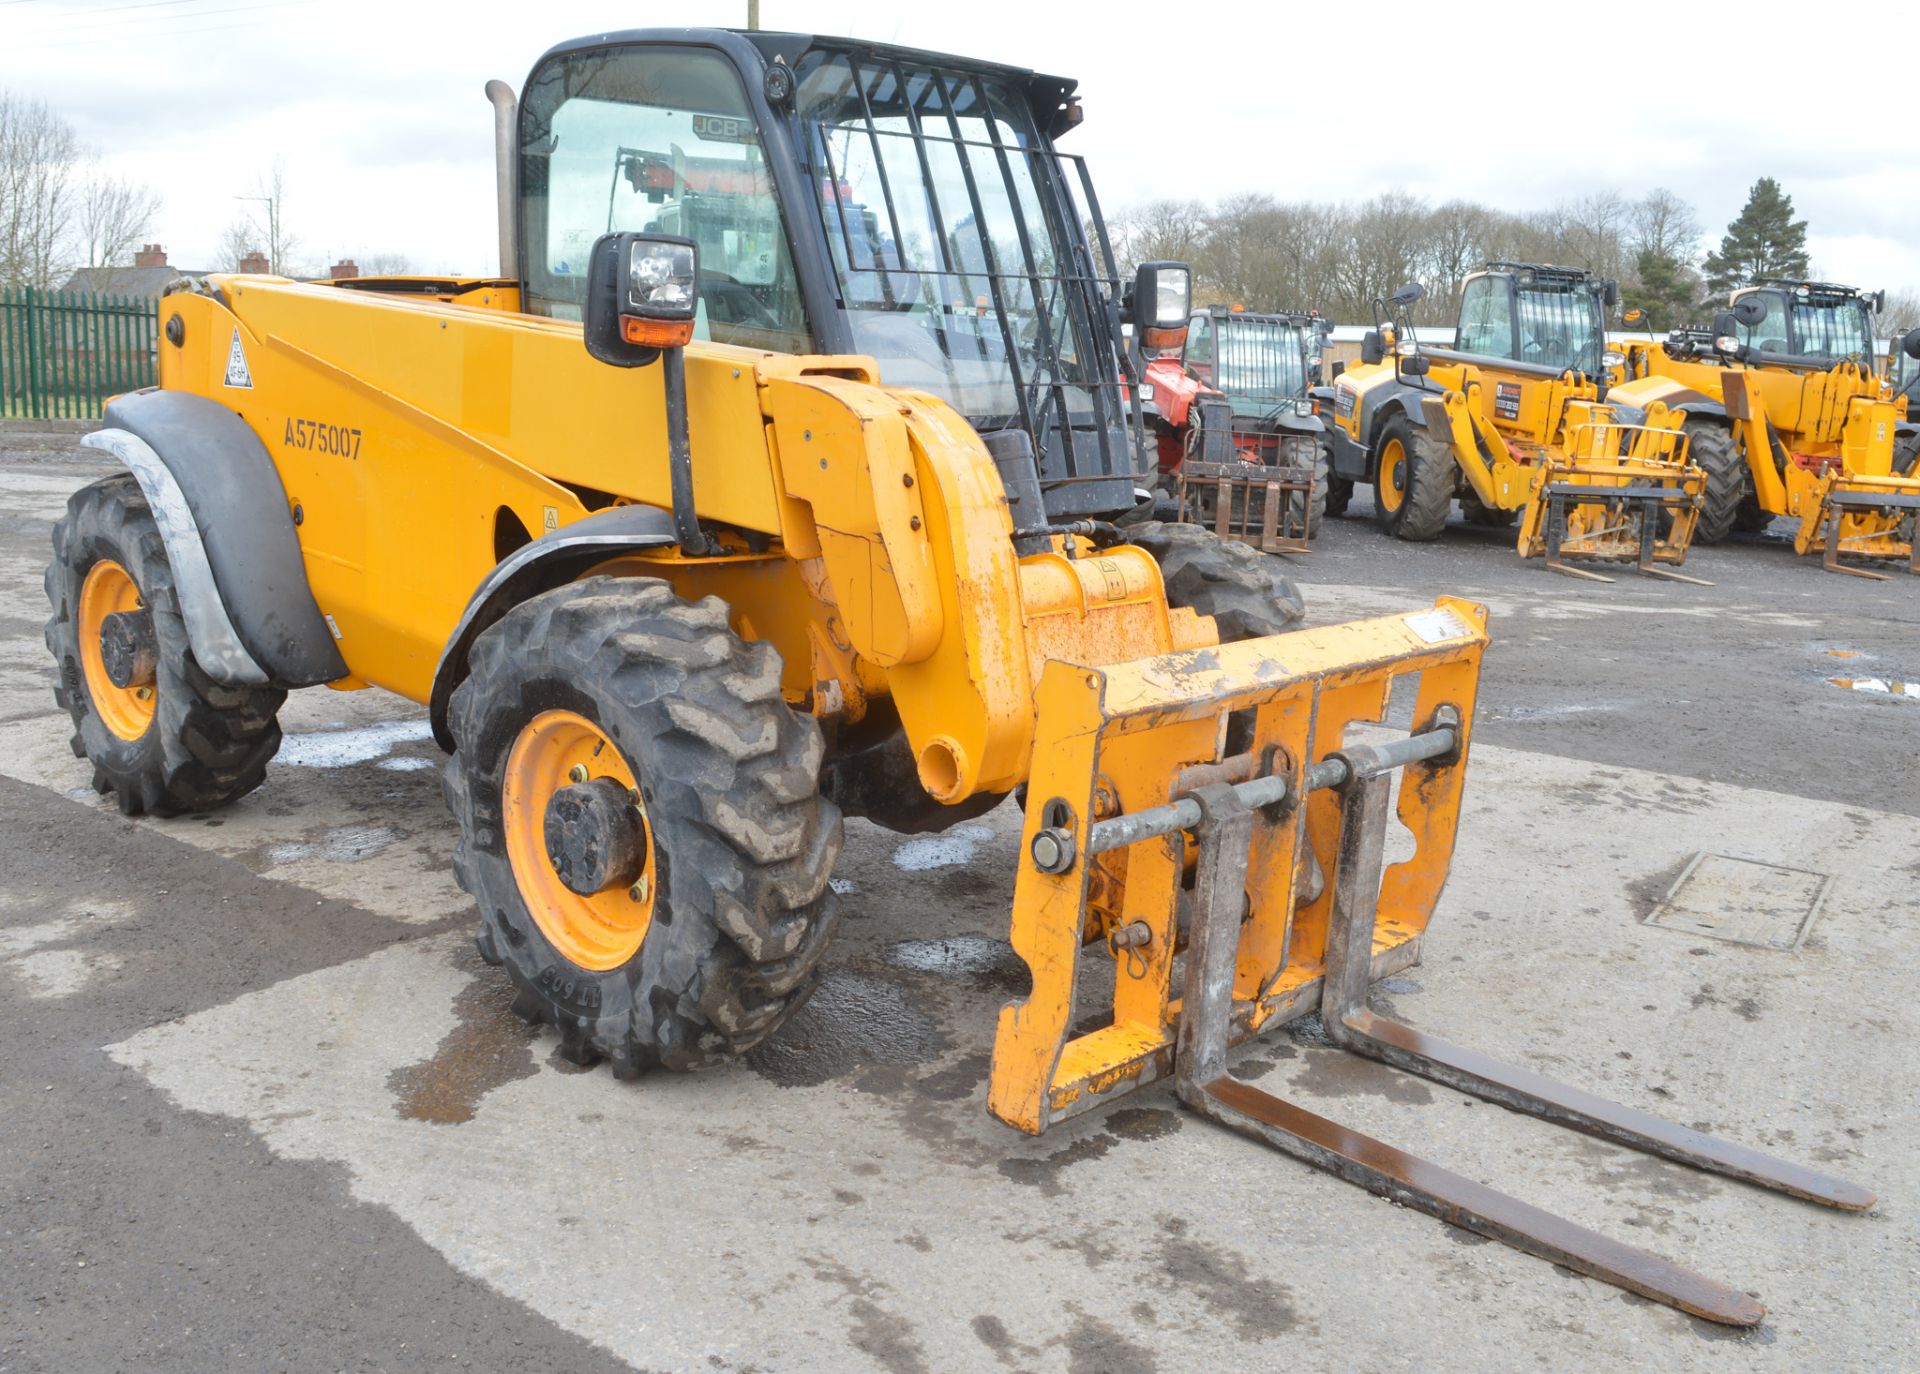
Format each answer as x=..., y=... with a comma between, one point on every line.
x=1046, y=92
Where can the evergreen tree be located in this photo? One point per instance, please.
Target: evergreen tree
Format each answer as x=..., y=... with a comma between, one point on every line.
x=1663, y=286
x=1765, y=241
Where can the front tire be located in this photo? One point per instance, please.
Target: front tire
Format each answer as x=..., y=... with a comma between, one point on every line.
x=166, y=738
x=1248, y=593
x=1729, y=485
x=610, y=694
x=1413, y=482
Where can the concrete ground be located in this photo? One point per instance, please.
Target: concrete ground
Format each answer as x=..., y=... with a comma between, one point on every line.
x=263, y=1108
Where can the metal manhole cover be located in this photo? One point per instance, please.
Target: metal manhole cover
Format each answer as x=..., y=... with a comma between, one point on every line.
x=1744, y=901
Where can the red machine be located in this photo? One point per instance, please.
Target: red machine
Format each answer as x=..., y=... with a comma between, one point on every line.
x=1239, y=443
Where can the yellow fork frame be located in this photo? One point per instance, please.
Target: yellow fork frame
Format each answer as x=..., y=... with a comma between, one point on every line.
x=1123, y=739
x=1860, y=515
x=1600, y=456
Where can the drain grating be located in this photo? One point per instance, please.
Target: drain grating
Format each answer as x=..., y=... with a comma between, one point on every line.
x=1744, y=901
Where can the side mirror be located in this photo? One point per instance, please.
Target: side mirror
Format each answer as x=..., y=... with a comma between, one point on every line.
x=1162, y=302
x=1417, y=365
x=1726, y=338
x=642, y=292
x=1747, y=311
x=1373, y=349
x=1910, y=344
x=1879, y=301
x=1610, y=292
x=1633, y=317
x=1406, y=295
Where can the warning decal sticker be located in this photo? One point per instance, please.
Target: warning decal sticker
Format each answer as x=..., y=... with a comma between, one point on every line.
x=237, y=373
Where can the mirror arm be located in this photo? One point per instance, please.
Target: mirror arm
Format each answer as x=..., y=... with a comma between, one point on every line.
x=694, y=542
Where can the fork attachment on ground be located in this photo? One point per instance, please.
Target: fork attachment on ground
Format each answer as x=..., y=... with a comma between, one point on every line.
x=1291, y=906
x=1619, y=493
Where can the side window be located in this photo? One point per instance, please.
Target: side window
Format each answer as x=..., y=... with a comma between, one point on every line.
x=1199, y=354
x=1486, y=318
x=1770, y=335
x=659, y=140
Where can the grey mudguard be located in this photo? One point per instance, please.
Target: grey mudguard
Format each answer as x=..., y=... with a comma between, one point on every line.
x=217, y=498
x=548, y=562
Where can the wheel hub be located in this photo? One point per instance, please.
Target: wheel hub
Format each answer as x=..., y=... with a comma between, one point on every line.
x=575, y=828
x=595, y=837
x=128, y=650
x=118, y=653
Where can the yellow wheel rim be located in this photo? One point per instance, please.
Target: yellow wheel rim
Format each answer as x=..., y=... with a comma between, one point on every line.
x=107, y=590
x=602, y=931
x=1392, y=486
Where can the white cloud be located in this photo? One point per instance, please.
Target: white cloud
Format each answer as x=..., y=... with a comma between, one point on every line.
x=377, y=110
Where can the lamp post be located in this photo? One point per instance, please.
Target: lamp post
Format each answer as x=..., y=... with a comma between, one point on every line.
x=273, y=229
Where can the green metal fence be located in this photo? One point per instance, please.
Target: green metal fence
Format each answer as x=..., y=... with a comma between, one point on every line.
x=63, y=353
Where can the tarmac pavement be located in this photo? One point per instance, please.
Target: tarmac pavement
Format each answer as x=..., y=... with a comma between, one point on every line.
x=264, y=1108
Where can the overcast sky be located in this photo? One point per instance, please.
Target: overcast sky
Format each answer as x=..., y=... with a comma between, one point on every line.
x=377, y=112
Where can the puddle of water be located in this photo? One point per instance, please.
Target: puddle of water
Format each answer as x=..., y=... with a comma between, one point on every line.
x=1878, y=686
x=844, y=886
x=344, y=748
x=957, y=846
x=405, y=764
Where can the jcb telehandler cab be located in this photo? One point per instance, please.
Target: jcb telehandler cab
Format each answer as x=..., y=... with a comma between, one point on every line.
x=773, y=486
x=1786, y=411
x=1515, y=421
x=1241, y=449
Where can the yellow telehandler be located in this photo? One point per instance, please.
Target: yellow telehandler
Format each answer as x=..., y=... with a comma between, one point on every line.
x=789, y=471
x=1786, y=411
x=1516, y=421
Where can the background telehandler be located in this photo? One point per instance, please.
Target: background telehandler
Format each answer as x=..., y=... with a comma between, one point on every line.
x=730, y=510
x=1787, y=413
x=1515, y=420
x=1239, y=443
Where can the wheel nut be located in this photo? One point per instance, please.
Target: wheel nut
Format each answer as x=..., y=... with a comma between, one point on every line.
x=640, y=889
x=144, y=693
x=577, y=773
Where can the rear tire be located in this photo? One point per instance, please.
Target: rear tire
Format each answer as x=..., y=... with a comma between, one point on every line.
x=1413, y=482
x=1321, y=501
x=1729, y=485
x=181, y=741
x=1906, y=455
x=1339, y=489
x=1752, y=519
x=1248, y=593
x=1485, y=517
x=737, y=911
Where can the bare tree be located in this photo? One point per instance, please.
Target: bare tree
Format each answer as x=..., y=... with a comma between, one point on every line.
x=39, y=152
x=1380, y=252
x=1162, y=230
x=238, y=242
x=1902, y=310
x=384, y=264
x=265, y=223
x=1663, y=223
x=114, y=218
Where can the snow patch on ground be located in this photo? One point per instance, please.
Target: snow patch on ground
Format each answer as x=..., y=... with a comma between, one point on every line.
x=344, y=748
x=951, y=850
